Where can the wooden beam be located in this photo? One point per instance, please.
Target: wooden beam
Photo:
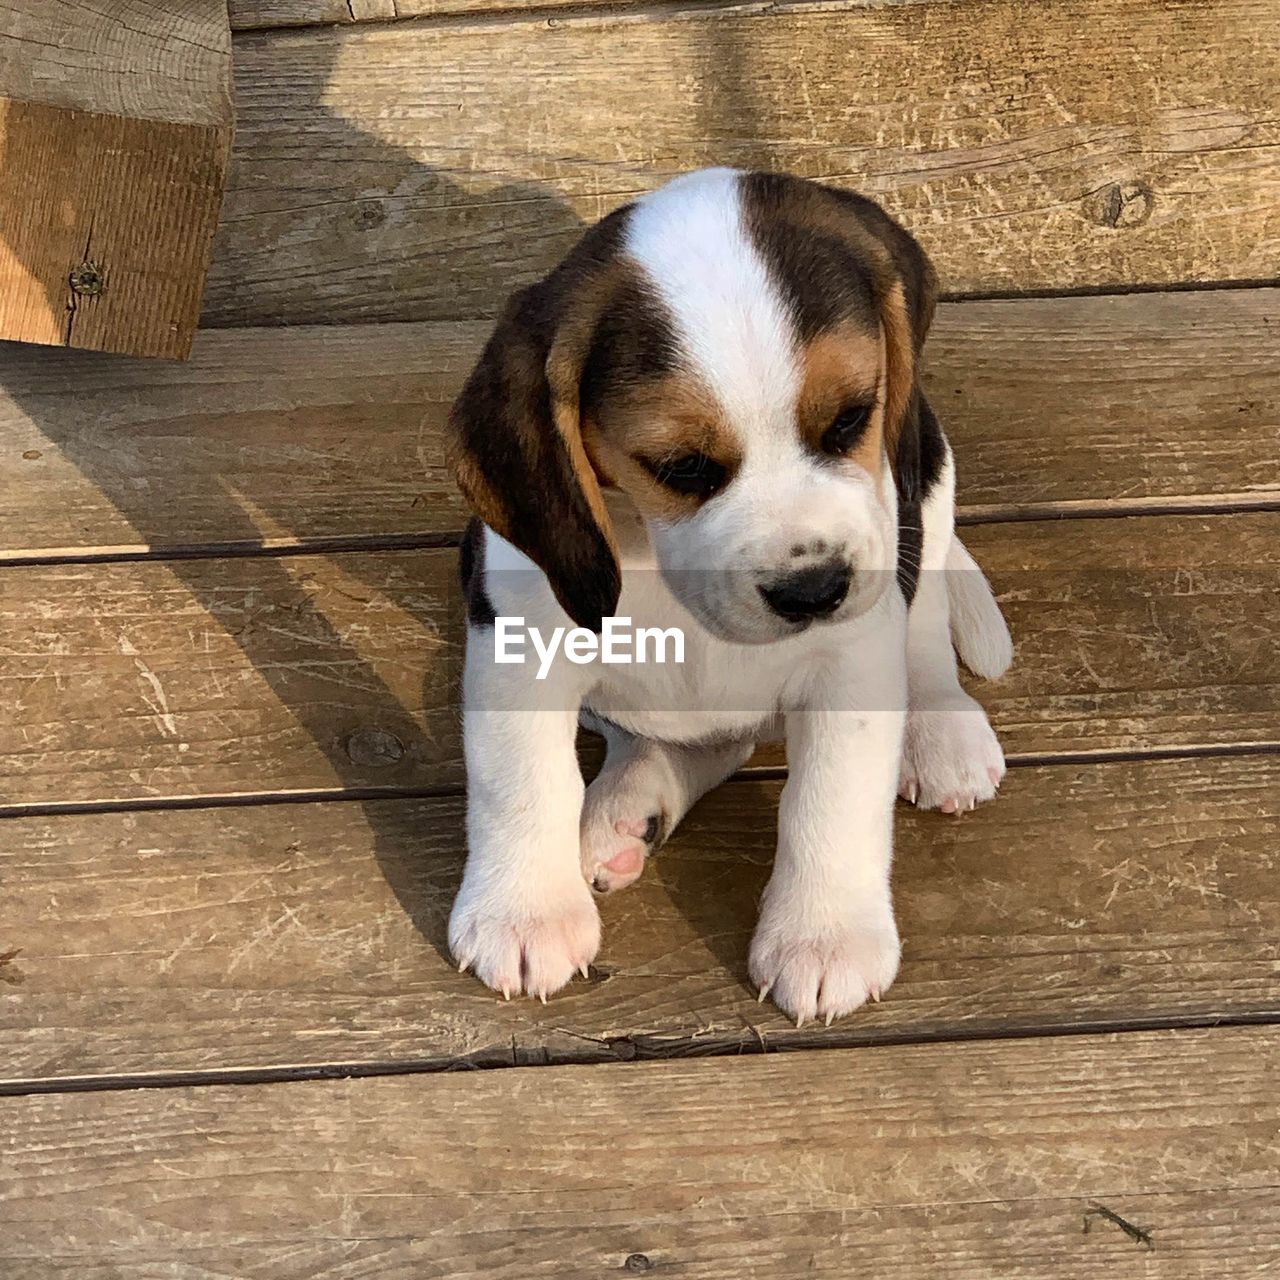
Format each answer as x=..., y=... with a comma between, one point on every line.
x=115, y=132
x=297, y=937
x=894, y=1162
x=418, y=170
x=285, y=436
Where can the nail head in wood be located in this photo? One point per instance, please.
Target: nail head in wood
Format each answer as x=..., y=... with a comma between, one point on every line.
x=88, y=280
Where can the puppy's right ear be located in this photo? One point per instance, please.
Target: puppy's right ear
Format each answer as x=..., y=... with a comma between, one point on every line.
x=518, y=455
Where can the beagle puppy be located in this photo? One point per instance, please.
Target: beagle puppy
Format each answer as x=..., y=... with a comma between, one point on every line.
x=709, y=417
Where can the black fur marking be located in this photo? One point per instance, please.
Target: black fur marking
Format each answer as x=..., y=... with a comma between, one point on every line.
x=910, y=547
x=922, y=451
x=655, y=832
x=819, y=274
x=471, y=568
x=919, y=280
x=633, y=343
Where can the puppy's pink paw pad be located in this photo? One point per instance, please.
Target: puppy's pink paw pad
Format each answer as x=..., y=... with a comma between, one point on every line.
x=638, y=827
x=628, y=862
x=614, y=854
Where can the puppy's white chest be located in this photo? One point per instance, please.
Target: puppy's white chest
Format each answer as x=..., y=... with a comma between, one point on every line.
x=702, y=687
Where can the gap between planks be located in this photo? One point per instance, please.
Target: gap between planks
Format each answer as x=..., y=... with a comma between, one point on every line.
x=750, y=773
x=626, y=1048
x=966, y=517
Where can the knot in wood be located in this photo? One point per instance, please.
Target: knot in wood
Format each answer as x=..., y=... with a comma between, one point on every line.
x=370, y=214
x=638, y=1262
x=1120, y=204
x=374, y=748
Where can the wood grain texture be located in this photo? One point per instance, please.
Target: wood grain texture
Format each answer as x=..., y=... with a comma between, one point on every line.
x=253, y=15
x=1102, y=895
x=284, y=435
x=201, y=677
x=419, y=171
x=115, y=133
x=1136, y=633
x=895, y=1162
x=263, y=436
x=208, y=677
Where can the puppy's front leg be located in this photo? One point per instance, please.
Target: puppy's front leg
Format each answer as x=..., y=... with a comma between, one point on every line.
x=524, y=919
x=826, y=940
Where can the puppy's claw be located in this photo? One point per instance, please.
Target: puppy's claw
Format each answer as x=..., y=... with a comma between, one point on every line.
x=585, y=972
x=799, y=1021
x=542, y=995
x=764, y=994
x=831, y=1017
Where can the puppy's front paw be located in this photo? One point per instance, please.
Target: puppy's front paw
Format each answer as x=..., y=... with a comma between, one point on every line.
x=525, y=938
x=951, y=757
x=812, y=970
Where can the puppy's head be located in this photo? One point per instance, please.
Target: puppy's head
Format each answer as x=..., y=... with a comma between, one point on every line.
x=737, y=354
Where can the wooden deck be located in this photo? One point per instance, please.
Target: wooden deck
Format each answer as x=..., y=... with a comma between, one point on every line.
x=231, y=1041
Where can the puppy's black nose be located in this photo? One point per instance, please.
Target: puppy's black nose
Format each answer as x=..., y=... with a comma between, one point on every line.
x=815, y=592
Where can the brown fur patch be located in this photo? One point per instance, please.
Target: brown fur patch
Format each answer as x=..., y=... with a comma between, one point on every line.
x=842, y=367
x=900, y=363
x=665, y=418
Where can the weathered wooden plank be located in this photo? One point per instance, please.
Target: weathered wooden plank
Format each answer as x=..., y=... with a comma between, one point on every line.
x=896, y=1162
x=250, y=15
x=115, y=127
x=1136, y=633
x=267, y=436
x=200, y=677
x=253, y=15
x=1097, y=895
x=205, y=677
x=420, y=171
x=1076, y=401
x=284, y=435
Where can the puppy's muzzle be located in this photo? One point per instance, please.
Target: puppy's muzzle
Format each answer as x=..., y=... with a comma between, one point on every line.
x=809, y=594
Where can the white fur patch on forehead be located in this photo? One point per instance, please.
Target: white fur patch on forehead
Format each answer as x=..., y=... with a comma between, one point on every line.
x=730, y=323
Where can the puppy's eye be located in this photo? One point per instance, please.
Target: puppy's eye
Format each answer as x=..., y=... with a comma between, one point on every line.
x=847, y=429
x=693, y=473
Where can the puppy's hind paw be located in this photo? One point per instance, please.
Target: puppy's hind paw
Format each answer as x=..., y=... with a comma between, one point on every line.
x=621, y=827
